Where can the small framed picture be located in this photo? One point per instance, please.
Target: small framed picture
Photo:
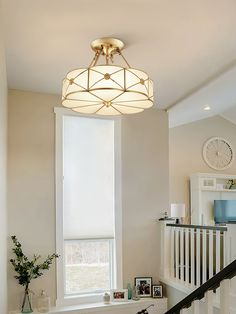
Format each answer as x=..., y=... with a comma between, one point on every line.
x=144, y=286
x=157, y=291
x=119, y=295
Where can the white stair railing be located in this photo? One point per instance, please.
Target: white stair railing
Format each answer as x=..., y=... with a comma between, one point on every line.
x=199, y=259
x=192, y=254
x=201, y=299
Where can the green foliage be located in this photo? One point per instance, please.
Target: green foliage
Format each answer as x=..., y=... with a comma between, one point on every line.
x=28, y=269
x=231, y=183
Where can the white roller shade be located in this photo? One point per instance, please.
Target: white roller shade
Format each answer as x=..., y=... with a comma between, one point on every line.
x=88, y=206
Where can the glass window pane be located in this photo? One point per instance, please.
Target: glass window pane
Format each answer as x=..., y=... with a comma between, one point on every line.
x=87, y=266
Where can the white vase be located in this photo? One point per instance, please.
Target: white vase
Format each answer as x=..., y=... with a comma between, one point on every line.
x=106, y=298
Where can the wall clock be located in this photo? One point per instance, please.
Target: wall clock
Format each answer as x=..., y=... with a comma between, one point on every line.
x=218, y=153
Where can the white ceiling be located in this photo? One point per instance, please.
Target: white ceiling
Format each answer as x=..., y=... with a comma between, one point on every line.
x=219, y=94
x=230, y=115
x=182, y=44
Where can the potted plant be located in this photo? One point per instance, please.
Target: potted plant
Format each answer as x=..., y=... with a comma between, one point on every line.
x=27, y=270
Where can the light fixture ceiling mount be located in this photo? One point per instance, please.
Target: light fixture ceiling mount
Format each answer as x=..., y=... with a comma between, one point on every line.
x=108, y=45
x=107, y=89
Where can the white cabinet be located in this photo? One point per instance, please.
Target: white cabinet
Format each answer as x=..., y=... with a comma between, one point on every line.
x=205, y=188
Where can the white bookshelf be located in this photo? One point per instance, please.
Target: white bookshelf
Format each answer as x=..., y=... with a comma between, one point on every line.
x=205, y=188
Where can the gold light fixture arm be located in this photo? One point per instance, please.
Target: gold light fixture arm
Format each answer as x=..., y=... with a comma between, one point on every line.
x=95, y=58
x=107, y=53
x=121, y=54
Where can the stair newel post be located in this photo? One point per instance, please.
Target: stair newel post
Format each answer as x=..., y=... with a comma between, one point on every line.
x=165, y=249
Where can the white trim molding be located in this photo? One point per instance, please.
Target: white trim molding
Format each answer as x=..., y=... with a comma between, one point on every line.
x=160, y=306
x=63, y=300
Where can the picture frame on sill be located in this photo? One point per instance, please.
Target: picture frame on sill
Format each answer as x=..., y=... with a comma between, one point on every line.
x=157, y=291
x=119, y=295
x=144, y=286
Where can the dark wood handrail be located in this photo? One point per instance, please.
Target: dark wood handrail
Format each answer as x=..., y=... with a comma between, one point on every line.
x=214, y=228
x=226, y=273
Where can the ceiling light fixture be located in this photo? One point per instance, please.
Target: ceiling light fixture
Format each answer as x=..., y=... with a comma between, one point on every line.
x=107, y=89
x=207, y=108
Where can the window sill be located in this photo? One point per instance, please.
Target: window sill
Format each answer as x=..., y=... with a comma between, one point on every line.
x=101, y=307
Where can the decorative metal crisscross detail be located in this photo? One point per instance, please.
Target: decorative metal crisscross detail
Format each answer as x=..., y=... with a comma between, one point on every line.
x=102, y=88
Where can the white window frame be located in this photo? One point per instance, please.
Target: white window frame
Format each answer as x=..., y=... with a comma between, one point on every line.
x=62, y=299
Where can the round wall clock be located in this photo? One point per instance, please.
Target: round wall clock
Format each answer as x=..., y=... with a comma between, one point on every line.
x=218, y=153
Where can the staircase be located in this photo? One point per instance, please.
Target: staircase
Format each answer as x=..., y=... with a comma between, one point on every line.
x=206, y=291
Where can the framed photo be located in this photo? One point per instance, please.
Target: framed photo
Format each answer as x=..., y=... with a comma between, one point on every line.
x=144, y=286
x=157, y=291
x=119, y=295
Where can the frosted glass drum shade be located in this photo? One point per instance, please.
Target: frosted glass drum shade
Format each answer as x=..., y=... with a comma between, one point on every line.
x=107, y=90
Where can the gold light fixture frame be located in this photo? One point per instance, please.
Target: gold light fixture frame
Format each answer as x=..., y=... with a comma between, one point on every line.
x=107, y=89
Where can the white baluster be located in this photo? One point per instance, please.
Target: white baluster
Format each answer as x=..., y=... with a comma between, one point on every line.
x=210, y=253
x=208, y=307
x=217, y=251
x=187, y=255
x=229, y=245
x=198, y=254
x=172, y=252
x=183, y=311
x=182, y=254
x=192, y=258
x=177, y=253
x=224, y=296
x=204, y=256
x=225, y=247
x=196, y=307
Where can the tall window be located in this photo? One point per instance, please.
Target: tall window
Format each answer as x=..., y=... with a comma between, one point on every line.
x=88, y=146
x=88, y=223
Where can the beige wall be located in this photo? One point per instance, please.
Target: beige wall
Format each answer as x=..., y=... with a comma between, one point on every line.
x=185, y=148
x=31, y=181
x=3, y=166
x=145, y=191
x=31, y=185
